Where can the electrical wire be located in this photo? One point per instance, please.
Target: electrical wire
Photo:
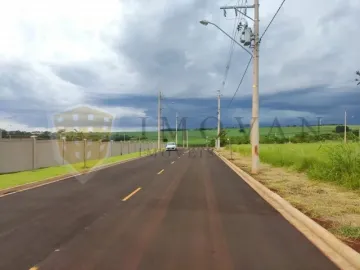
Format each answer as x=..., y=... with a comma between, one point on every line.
x=272, y=19
x=166, y=105
x=232, y=45
x=242, y=78
x=241, y=16
x=165, y=102
x=247, y=67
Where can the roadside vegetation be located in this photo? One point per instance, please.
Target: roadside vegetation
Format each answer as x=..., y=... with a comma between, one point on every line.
x=315, y=171
x=283, y=136
x=333, y=162
x=206, y=136
x=320, y=179
x=286, y=169
x=20, y=178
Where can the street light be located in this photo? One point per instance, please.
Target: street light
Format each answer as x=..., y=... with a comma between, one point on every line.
x=255, y=134
x=205, y=22
x=176, y=126
x=9, y=133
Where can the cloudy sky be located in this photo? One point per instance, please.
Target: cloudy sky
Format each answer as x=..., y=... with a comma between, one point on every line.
x=117, y=54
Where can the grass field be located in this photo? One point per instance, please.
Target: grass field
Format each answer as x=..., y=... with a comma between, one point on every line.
x=21, y=178
x=333, y=162
x=197, y=137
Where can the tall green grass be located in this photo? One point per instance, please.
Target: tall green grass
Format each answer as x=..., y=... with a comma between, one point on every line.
x=333, y=162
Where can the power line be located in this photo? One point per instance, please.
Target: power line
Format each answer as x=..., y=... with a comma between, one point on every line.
x=167, y=105
x=228, y=66
x=242, y=78
x=272, y=20
x=232, y=45
x=247, y=67
x=230, y=57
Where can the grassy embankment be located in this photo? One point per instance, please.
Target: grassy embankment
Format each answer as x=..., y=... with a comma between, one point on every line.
x=21, y=178
x=321, y=180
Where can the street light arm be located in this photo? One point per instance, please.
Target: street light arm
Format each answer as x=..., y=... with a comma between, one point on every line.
x=231, y=38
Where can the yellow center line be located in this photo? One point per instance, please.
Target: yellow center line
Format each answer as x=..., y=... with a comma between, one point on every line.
x=131, y=194
x=161, y=171
x=34, y=268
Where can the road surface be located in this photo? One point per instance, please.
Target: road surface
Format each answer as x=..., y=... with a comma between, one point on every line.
x=171, y=211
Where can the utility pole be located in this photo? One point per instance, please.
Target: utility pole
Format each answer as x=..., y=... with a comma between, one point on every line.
x=9, y=132
x=187, y=139
x=319, y=126
x=218, y=124
x=255, y=98
x=255, y=88
x=176, y=125
x=183, y=138
x=139, y=145
x=159, y=121
x=345, y=128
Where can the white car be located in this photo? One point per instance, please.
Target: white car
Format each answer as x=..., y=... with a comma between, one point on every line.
x=171, y=146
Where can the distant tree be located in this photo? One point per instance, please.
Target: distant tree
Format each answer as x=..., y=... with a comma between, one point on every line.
x=223, y=137
x=105, y=138
x=61, y=133
x=120, y=137
x=4, y=133
x=80, y=135
x=341, y=129
x=143, y=138
x=358, y=78
x=46, y=135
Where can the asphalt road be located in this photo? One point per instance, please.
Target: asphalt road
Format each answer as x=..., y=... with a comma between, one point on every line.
x=172, y=211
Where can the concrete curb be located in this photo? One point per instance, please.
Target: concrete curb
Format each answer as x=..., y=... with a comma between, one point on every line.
x=19, y=188
x=338, y=252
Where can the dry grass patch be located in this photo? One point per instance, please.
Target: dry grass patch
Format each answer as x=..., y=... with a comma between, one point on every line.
x=334, y=207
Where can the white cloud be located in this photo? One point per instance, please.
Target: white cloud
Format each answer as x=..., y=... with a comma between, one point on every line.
x=307, y=46
x=121, y=112
x=37, y=83
x=13, y=125
x=58, y=31
x=40, y=36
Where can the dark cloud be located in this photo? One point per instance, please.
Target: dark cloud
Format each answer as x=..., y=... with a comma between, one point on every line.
x=78, y=75
x=180, y=53
x=322, y=101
